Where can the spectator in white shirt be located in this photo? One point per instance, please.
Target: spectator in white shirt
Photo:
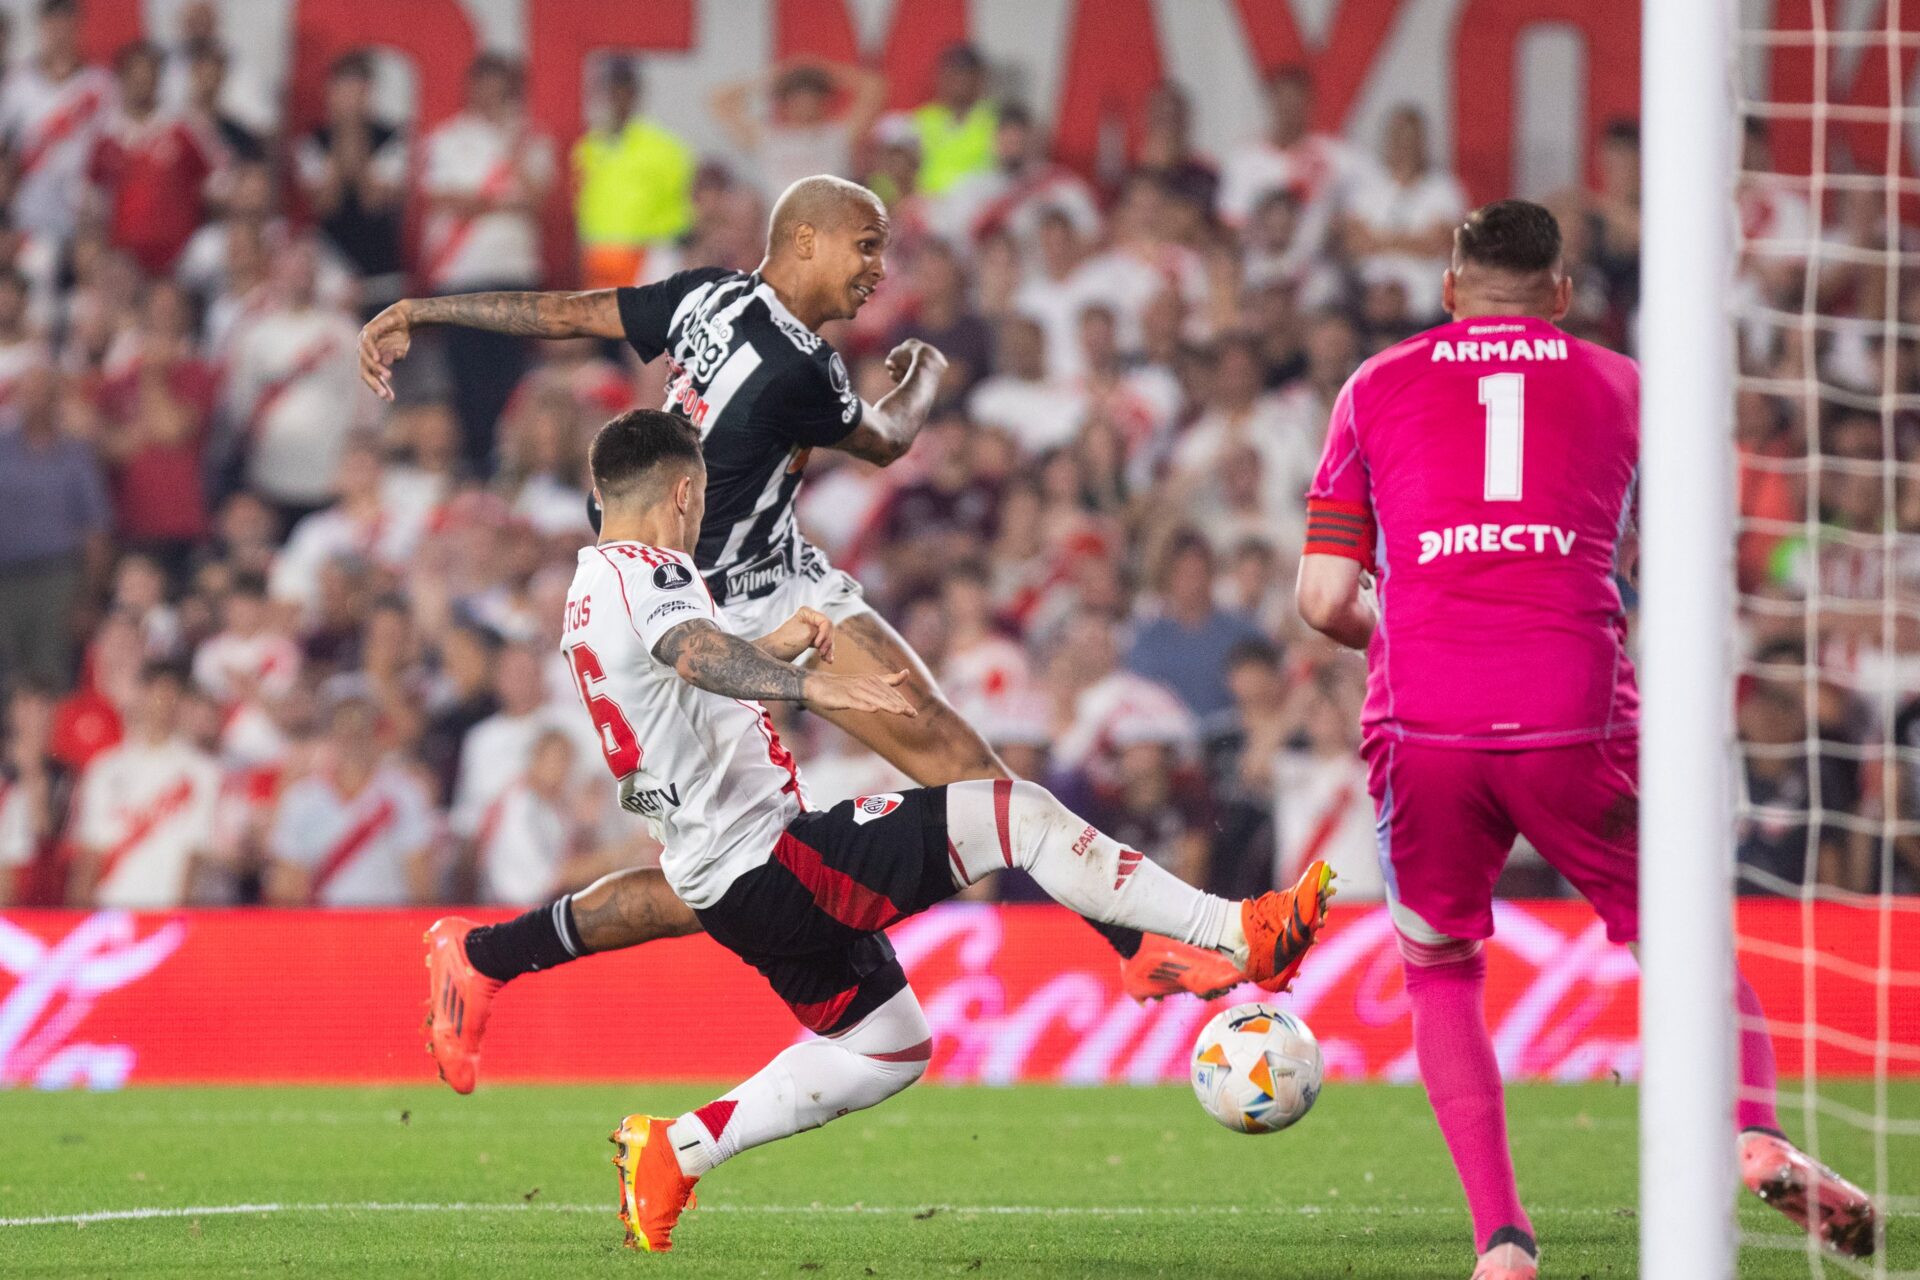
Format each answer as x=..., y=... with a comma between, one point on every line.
x=358, y=524
x=1048, y=293
x=145, y=812
x=51, y=111
x=528, y=848
x=1313, y=167
x=796, y=133
x=1144, y=260
x=1041, y=413
x=357, y=832
x=1399, y=224
x=499, y=748
x=1240, y=415
x=485, y=176
x=247, y=669
x=294, y=388
x=1101, y=708
x=1023, y=185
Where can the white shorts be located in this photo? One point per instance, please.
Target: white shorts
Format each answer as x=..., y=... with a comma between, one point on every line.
x=816, y=585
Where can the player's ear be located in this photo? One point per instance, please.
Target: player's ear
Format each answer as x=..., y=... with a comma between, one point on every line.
x=803, y=240
x=683, y=494
x=1562, y=296
x=1446, y=291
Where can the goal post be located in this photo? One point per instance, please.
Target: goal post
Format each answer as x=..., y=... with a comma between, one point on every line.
x=1687, y=1176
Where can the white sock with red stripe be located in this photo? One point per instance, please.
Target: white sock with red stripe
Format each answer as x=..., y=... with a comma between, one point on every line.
x=809, y=1084
x=993, y=825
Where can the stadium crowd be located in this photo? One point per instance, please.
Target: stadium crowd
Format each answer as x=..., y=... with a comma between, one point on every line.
x=267, y=639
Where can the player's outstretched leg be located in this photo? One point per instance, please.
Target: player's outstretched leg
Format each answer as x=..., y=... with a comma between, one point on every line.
x=996, y=825
x=1806, y=1191
x=805, y=1087
x=467, y=964
x=1446, y=985
x=938, y=747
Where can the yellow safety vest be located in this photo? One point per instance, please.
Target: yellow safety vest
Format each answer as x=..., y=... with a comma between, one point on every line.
x=951, y=147
x=634, y=185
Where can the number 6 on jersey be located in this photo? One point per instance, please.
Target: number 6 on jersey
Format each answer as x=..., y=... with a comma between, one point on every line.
x=1504, y=394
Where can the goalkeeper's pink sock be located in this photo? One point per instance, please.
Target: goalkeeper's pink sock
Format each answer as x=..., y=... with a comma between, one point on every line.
x=1446, y=986
x=1755, y=1107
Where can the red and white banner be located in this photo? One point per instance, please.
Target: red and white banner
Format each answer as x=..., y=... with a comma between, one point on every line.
x=1013, y=993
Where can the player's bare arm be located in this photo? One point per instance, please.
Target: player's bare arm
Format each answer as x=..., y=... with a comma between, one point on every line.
x=806, y=629
x=719, y=662
x=593, y=313
x=1330, y=598
x=888, y=429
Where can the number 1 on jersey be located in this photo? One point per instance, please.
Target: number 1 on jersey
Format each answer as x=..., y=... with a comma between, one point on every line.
x=1504, y=394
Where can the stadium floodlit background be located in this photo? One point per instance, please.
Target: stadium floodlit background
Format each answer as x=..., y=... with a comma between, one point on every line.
x=1153, y=237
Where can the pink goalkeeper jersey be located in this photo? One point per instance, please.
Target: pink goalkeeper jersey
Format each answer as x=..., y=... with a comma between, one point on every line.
x=1485, y=469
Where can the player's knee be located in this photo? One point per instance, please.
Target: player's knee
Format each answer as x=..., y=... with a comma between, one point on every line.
x=895, y=1040
x=902, y=1072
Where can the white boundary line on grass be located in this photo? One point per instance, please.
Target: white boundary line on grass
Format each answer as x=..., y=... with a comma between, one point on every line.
x=1005, y=1210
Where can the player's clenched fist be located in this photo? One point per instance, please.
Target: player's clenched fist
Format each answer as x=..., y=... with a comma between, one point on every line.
x=824, y=692
x=382, y=343
x=901, y=360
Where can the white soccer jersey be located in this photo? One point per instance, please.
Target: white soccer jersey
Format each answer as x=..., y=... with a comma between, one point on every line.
x=708, y=772
x=51, y=126
x=356, y=849
x=145, y=810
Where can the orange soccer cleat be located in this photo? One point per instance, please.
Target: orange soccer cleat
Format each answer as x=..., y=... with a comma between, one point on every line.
x=1280, y=926
x=1163, y=967
x=459, y=998
x=1808, y=1192
x=653, y=1191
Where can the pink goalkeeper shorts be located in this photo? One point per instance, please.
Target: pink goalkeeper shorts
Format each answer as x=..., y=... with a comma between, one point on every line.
x=1446, y=819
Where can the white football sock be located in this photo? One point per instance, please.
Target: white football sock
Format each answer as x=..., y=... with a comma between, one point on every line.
x=809, y=1084
x=994, y=825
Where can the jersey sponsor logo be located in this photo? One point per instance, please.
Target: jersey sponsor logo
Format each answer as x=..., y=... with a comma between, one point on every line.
x=1500, y=349
x=682, y=395
x=672, y=576
x=1531, y=539
x=867, y=808
x=842, y=387
x=648, y=797
x=707, y=340
x=672, y=607
x=761, y=575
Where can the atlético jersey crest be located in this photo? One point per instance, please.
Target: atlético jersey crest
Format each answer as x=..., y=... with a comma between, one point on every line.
x=867, y=808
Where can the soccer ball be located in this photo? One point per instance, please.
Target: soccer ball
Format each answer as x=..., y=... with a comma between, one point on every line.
x=1256, y=1069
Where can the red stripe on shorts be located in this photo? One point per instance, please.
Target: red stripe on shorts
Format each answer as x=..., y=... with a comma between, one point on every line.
x=959, y=868
x=1002, y=802
x=819, y=1018
x=834, y=891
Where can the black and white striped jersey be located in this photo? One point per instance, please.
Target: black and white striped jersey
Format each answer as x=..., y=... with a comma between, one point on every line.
x=764, y=390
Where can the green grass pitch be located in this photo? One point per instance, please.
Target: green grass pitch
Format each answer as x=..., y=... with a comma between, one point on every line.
x=1030, y=1182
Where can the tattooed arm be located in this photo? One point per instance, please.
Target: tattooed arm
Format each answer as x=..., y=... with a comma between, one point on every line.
x=591, y=314
x=708, y=658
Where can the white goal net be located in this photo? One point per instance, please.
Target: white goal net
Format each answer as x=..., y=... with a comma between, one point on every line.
x=1826, y=415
